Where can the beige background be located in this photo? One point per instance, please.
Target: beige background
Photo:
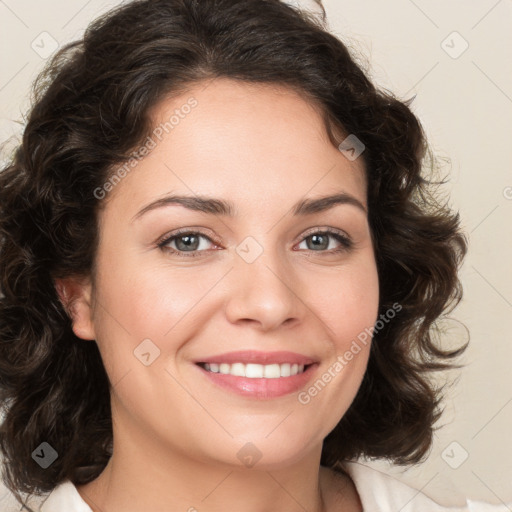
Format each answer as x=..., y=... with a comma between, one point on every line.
x=464, y=101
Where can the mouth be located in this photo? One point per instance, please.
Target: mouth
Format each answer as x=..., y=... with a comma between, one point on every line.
x=256, y=371
x=256, y=374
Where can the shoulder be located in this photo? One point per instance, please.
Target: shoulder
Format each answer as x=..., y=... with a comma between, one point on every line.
x=65, y=498
x=62, y=498
x=381, y=492
x=385, y=493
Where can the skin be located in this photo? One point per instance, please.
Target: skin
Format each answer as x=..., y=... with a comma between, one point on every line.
x=176, y=434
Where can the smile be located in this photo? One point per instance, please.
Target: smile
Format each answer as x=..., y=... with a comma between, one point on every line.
x=255, y=371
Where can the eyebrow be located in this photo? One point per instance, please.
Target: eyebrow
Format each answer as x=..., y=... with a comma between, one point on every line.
x=213, y=206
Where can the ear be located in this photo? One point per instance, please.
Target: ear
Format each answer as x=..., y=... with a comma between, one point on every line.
x=75, y=296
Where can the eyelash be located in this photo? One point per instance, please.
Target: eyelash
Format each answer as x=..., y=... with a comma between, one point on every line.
x=345, y=241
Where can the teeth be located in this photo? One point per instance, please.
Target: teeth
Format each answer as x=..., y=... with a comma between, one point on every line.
x=238, y=370
x=256, y=371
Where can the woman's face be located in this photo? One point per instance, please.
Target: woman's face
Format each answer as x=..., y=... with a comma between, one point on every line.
x=256, y=280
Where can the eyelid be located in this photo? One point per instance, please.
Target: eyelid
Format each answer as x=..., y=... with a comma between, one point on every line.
x=323, y=229
x=161, y=241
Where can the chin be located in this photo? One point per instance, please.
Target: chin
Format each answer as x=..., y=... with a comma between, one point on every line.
x=267, y=455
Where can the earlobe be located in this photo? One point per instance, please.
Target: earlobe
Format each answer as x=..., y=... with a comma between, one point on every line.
x=75, y=296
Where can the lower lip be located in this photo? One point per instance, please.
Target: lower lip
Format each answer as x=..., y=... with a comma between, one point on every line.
x=261, y=388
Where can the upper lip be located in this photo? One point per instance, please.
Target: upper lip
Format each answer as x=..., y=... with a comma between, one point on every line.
x=256, y=357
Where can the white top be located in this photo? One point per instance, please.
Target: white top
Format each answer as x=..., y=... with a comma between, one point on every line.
x=378, y=491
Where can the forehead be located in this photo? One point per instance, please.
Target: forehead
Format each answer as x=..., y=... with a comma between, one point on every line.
x=247, y=142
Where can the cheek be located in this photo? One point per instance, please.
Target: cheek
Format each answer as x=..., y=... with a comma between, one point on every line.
x=348, y=307
x=139, y=301
x=150, y=299
x=346, y=301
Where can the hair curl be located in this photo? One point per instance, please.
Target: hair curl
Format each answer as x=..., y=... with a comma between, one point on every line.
x=90, y=111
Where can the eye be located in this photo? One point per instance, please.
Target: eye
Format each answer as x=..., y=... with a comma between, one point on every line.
x=185, y=242
x=320, y=241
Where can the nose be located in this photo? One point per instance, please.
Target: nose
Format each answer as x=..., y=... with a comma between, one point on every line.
x=265, y=292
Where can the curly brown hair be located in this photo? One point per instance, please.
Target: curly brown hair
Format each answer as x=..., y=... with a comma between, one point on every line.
x=90, y=111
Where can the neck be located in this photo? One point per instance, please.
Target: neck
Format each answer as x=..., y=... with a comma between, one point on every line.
x=194, y=486
x=148, y=472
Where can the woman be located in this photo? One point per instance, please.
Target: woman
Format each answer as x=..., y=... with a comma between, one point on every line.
x=221, y=266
